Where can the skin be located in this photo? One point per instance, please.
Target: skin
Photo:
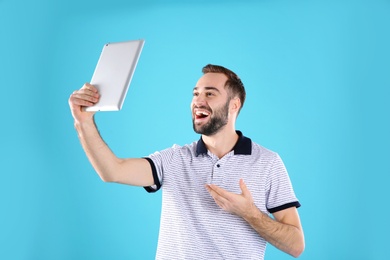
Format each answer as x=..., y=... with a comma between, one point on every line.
x=209, y=97
x=210, y=92
x=110, y=168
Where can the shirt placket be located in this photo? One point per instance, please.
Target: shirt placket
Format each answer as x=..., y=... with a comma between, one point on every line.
x=217, y=173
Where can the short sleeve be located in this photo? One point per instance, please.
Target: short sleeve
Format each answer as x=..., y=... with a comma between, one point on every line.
x=158, y=162
x=280, y=191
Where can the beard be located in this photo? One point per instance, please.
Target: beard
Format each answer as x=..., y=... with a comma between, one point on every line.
x=218, y=120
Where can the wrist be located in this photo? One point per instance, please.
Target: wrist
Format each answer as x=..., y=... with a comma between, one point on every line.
x=84, y=125
x=252, y=214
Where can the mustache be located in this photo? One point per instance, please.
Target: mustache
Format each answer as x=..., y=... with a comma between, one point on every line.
x=207, y=108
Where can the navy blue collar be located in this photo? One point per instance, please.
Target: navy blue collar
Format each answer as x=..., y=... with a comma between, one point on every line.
x=243, y=145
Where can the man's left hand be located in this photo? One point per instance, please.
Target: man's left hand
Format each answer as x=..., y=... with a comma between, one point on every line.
x=239, y=204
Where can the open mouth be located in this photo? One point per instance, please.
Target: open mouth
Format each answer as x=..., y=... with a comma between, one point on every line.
x=201, y=114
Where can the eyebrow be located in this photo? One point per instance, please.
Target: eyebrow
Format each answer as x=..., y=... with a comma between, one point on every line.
x=209, y=88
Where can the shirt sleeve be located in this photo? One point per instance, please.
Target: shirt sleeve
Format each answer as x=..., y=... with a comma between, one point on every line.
x=280, y=191
x=158, y=162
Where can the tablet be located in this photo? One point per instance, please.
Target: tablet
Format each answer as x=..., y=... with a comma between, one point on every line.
x=113, y=73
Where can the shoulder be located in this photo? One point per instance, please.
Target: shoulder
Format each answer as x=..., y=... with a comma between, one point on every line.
x=189, y=149
x=183, y=150
x=261, y=151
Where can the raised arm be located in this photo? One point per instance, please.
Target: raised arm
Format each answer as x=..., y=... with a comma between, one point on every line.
x=132, y=171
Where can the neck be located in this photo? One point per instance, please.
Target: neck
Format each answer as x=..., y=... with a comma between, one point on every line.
x=222, y=142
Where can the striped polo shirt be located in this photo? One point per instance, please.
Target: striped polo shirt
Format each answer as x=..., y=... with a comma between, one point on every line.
x=192, y=225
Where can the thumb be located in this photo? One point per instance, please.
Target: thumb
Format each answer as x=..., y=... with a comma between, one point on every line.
x=244, y=189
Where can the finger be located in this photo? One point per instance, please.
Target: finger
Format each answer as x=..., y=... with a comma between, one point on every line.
x=80, y=103
x=88, y=91
x=222, y=192
x=87, y=94
x=244, y=189
x=221, y=201
x=90, y=87
x=212, y=192
x=80, y=99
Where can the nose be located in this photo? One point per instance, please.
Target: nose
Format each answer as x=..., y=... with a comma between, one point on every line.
x=198, y=101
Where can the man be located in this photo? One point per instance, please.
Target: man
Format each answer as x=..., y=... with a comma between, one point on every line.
x=218, y=192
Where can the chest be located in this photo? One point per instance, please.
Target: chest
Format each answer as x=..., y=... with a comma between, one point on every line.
x=186, y=180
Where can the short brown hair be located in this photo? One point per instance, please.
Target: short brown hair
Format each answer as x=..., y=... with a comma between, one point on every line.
x=233, y=83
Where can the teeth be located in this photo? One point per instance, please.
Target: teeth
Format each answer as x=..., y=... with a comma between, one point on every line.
x=202, y=113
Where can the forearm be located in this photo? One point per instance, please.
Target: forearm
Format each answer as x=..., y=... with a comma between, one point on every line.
x=99, y=154
x=132, y=171
x=285, y=237
x=284, y=233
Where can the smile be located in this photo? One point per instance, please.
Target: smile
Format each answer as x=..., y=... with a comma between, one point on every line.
x=201, y=114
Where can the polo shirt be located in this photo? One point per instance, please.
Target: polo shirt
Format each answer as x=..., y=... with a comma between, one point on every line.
x=192, y=225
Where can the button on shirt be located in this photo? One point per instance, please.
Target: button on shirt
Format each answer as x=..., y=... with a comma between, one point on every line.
x=192, y=225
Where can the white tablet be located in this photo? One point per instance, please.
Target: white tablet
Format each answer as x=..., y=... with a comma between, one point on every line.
x=113, y=73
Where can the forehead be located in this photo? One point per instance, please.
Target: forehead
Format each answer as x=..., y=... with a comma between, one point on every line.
x=216, y=80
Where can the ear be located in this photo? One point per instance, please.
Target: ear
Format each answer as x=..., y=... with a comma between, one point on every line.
x=235, y=104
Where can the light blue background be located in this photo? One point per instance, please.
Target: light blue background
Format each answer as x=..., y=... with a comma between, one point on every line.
x=317, y=79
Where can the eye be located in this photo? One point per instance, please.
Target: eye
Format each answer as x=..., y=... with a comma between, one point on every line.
x=209, y=94
x=195, y=94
